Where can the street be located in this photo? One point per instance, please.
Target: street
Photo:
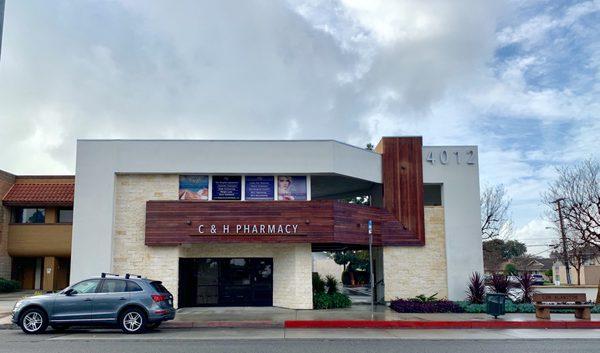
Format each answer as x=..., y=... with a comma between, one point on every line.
x=284, y=341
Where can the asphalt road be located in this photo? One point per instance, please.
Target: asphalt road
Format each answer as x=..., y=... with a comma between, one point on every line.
x=278, y=341
x=301, y=346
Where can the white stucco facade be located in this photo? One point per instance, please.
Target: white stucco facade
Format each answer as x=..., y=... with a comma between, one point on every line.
x=101, y=223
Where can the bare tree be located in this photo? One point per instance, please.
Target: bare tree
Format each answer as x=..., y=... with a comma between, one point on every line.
x=579, y=187
x=495, y=216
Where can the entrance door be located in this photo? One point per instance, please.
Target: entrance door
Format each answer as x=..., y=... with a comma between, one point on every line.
x=226, y=282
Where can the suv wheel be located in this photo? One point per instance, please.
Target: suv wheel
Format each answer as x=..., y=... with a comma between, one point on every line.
x=34, y=321
x=133, y=321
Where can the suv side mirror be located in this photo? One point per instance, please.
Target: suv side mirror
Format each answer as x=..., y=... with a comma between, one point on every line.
x=70, y=292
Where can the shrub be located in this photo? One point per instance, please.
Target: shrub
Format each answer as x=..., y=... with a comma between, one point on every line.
x=476, y=289
x=317, y=283
x=417, y=306
x=500, y=283
x=330, y=301
x=7, y=285
x=526, y=283
x=332, y=284
x=424, y=299
x=510, y=269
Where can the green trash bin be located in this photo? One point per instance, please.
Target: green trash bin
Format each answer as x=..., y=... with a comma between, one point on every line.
x=495, y=304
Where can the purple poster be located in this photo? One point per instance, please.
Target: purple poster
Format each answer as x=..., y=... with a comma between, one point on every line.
x=260, y=187
x=226, y=187
x=291, y=188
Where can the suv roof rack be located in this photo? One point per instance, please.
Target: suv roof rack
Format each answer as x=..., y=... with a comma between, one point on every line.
x=104, y=274
x=129, y=275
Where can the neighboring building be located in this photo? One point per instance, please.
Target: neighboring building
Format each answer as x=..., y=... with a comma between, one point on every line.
x=528, y=264
x=589, y=273
x=35, y=230
x=236, y=222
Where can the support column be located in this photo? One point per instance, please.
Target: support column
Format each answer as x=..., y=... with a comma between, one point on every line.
x=49, y=271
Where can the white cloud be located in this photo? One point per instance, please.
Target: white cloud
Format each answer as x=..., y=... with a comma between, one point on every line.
x=537, y=236
x=350, y=70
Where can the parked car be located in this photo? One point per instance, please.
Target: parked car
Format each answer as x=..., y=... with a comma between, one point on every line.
x=131, y=302
x=513, y=279
x=537, y=279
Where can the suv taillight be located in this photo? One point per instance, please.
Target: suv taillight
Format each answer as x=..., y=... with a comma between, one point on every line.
x=159, y=297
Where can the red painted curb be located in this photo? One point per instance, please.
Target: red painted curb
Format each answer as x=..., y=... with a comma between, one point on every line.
x=405, y=324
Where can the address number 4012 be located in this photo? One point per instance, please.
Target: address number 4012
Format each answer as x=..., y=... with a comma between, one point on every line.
x=445, y=157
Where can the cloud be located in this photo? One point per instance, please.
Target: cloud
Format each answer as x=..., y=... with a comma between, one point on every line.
x=521, y=80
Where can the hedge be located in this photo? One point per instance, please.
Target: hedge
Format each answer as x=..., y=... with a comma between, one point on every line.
x=418, y=306
x=331, y=301
x=7, y=285
x=447, y=306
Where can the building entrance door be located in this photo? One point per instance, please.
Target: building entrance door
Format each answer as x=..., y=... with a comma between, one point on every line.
x=226, y=282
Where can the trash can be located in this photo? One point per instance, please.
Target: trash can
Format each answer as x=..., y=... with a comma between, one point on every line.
x=495, y=304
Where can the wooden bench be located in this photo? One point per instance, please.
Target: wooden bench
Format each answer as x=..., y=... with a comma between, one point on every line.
x=545, y=302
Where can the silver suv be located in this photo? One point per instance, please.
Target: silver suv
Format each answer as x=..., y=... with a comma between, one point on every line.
x=132, y=302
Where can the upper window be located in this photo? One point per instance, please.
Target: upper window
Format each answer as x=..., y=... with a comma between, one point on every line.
x=432, y=194
x=29, y=215
x=84, y=287
x=65, y=216
x=113, y=286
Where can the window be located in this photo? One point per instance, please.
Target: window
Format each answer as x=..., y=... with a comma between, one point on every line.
x=133, y=287
x=84, y=287
x=113, y=286
x=432, y=194
x=65, y=216
x=159, y=287
x=29, y=215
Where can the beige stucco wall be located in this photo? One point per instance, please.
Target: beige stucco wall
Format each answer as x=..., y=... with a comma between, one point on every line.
x=410, y=271
x=292, y=286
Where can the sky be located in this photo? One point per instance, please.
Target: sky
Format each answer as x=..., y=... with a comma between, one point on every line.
x=520, y=79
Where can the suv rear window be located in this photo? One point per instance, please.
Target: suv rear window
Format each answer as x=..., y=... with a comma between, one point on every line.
x=159, y=287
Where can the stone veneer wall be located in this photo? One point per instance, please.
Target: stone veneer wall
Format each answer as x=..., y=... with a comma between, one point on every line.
x=130, y=254
x=292, y=268
x=410, y=271
x=292, y=283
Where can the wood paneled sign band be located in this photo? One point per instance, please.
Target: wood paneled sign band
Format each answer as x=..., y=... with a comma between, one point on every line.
x=316, y=222
x=247, y=229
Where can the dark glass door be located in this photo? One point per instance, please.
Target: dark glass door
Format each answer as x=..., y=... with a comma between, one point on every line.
x=226, y=282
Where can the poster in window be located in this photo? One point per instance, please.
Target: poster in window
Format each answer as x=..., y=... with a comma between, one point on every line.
x=193, y=187
x=260, y=188
x=226, y=187
x=291, y=188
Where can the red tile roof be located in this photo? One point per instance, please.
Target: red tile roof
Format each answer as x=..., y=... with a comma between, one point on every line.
x=43, y=194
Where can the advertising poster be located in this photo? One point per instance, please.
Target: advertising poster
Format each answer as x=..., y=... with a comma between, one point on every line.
x=226, y=187
x=291, y=188
x=260, y=188
x=193, y=187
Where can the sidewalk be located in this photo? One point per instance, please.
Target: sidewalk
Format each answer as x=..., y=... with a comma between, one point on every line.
x=358, y=316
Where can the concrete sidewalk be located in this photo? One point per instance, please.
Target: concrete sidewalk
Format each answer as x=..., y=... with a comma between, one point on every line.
x=358, y=316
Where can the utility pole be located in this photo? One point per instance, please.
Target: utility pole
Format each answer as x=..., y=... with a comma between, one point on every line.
x=564, y=238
